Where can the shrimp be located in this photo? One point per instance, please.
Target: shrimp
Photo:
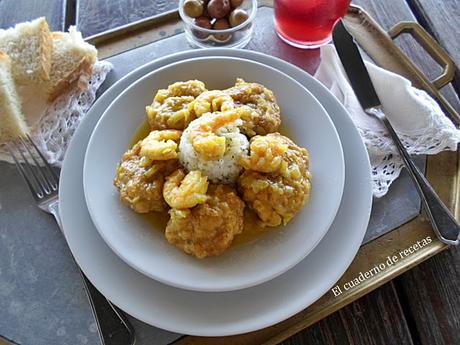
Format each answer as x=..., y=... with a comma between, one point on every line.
x=212, y=101
x=207, y=144
x=160, y=145
x=267, y=153
x=182, y=191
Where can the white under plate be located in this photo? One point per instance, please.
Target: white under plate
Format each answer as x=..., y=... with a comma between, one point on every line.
x=219, y=313
x=133, y=238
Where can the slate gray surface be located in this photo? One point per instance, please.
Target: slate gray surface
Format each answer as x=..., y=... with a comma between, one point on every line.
x=42, y=299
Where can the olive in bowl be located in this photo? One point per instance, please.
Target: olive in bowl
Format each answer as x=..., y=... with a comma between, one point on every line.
x=218, y=23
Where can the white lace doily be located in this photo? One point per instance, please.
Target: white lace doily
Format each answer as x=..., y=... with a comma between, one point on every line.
x=438, y=135
x=417, y=118
x=55, y=127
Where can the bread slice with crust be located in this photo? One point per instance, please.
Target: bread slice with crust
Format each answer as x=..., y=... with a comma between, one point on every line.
x=71, y=61
x=12, y=123
x=29, y=45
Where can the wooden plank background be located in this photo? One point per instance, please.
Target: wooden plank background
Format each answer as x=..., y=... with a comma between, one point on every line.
x=441, y=19
x=420, y=307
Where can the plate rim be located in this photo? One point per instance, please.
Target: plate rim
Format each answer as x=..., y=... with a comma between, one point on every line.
x=197, y=285
x=226, y=329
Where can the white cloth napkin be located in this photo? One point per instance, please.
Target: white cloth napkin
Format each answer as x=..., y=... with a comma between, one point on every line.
x=416, y=117
x=52, y=125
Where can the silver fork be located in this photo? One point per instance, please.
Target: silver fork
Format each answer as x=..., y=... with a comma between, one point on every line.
x=43, y=182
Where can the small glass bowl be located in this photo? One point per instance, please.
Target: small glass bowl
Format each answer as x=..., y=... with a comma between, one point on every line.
x=236, y=37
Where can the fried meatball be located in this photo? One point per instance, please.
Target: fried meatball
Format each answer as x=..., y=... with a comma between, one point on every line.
x=140, y=180
x=172, y=107
x=277, y=182
x=208, y=228
x=263, y=112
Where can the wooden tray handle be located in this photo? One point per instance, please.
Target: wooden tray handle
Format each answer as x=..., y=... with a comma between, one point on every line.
x=431, y=47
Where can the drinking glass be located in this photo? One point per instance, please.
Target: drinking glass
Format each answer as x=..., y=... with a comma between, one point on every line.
x=308, y=23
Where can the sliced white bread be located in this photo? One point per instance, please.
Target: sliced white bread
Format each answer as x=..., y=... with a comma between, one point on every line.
x=29, y=45
x=71, y=61
x=12, y=123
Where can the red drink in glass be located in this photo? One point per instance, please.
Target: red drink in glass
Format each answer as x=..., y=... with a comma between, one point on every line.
x=308, y=23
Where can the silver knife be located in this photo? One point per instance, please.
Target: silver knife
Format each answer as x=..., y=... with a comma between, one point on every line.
x=443, y=222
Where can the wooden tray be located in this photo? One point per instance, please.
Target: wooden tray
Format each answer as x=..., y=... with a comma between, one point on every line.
x=441, y=170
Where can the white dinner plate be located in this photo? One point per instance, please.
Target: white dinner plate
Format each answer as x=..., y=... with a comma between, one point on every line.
x=133, y=238
x=219, y=313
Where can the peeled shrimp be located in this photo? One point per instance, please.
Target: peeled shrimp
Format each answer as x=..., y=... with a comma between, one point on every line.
x=160, y=145
x=266, y=154
x=205, y=141
x=182, y=191
x=212, y=101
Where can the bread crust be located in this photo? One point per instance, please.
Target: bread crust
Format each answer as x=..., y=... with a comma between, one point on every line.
x=55, y=35
x=84, y=69
x=46, y=49
x=38, y=29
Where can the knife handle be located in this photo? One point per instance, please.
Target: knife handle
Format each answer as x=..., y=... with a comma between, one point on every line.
x=114, y=326
x=443, y=222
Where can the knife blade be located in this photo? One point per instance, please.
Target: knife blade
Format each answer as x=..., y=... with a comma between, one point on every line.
x=443, y=222
x=354, y=67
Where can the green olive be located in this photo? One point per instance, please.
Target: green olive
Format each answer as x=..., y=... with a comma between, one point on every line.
x=193, y=8
x=237, y=17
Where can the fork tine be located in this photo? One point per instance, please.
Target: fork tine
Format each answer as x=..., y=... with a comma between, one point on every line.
x=36, y=192
x=30, y=171
x=35, y=166
x=45, y=183
x=51, y=173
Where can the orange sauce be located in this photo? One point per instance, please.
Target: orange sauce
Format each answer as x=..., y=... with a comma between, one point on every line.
x=286, y=132
x=252, y=229
x=158, y=220
x=141, y=133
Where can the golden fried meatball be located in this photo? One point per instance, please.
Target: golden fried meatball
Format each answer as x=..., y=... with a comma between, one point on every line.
x=277, y=182
x=172, y=107
x=140, y=179
x=262, y=110
x=208, y=228
x=185, y=191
